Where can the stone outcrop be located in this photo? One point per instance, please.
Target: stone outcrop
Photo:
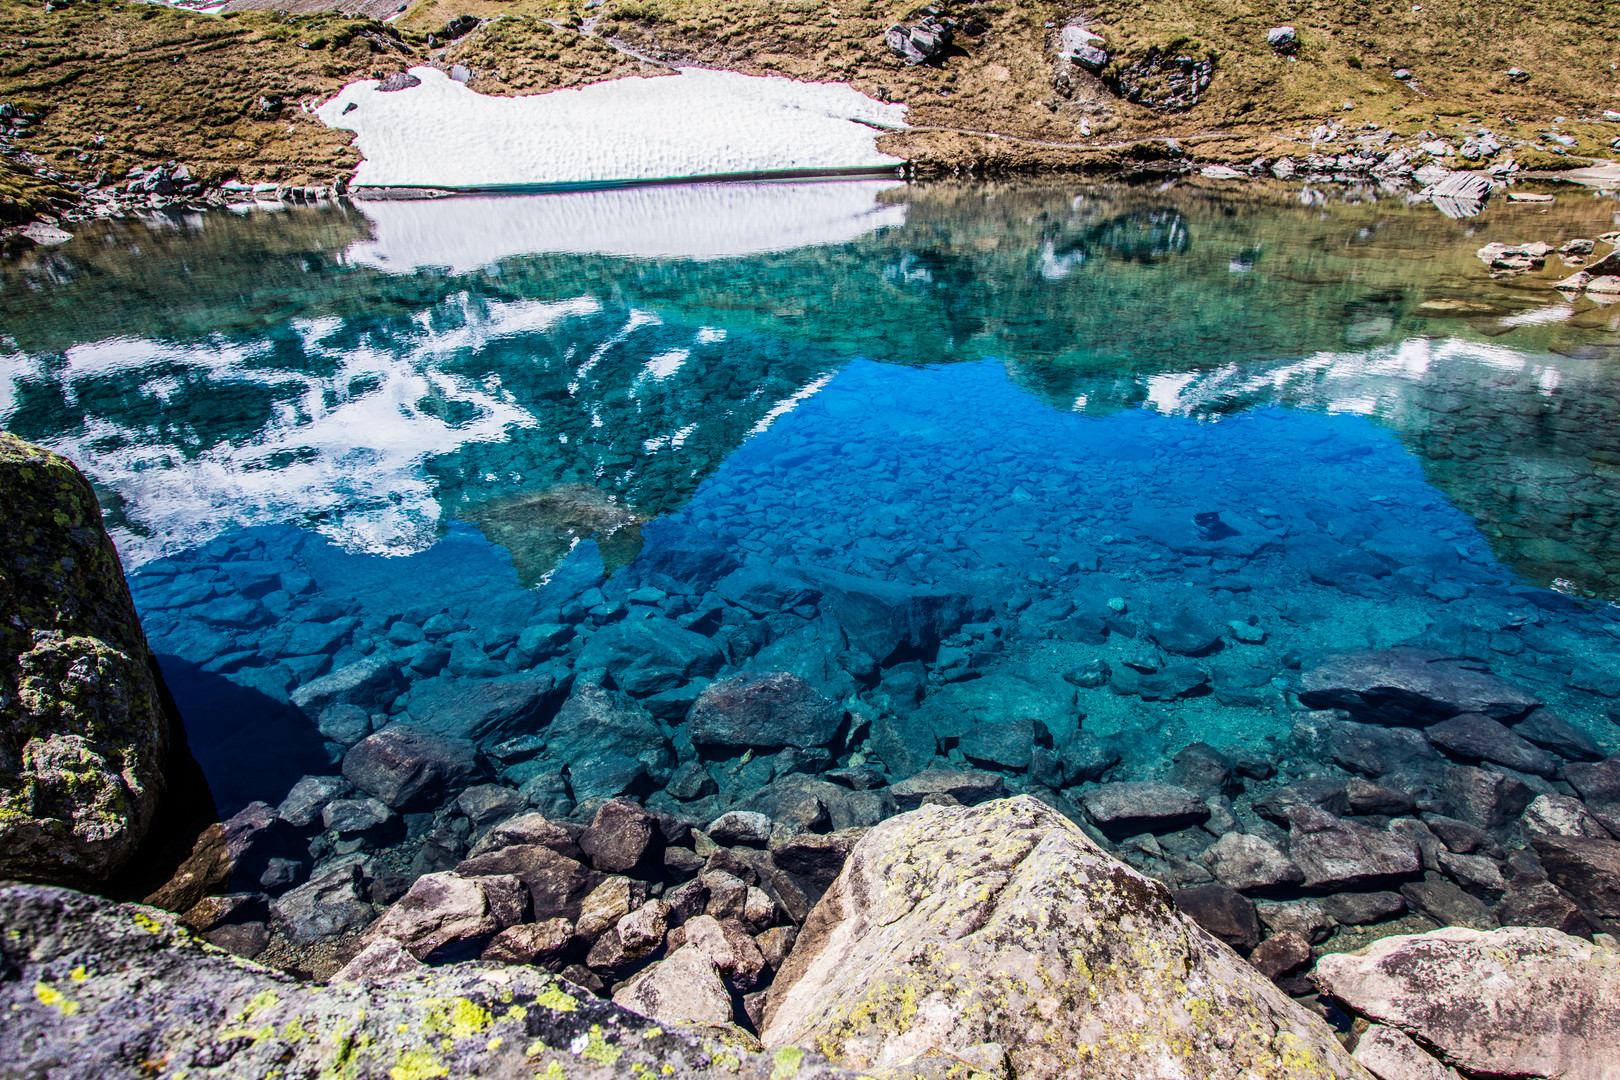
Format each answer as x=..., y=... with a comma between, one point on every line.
x=119, y=992
x=1002, y=937
x=86, y=729
x=1514, y=1002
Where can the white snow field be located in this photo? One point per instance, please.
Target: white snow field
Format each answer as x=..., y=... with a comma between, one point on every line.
x=674, y=221
x=694, y=123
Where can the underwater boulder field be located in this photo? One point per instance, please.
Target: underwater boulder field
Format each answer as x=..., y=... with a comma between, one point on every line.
x=588, y=586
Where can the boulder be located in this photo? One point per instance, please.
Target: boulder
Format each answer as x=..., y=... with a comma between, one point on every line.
x=557, y=884
x=1552, y=732
x=925, y=40
x=1473, y=737
x=966, y=786
x=955, y=927
x=407, y=767
x=1448, y=905
x=372, y=682
x=765, y=711
x=1484, y=797
x=308, y=798
x=803, y=803
x=531, y=828
x=446, y=909
x=881, y=617
x=1362, y=909
x=1375, y=751
x=650, y=655
x=1126, y=809
x=1318, y=792
x=1539, y=903
x=86, y=727
x=1390, y=1055
x=597, y=725
x=483, y=710
x=1588, y=870
x=1335, y=854
x=1410, y=686
x=1307, y=918
x=1514, y=1002
x=1596, y=783
x=328, y=904
x=683, y=988
x=1245, y=862
x=142, y=984
x=741, y=827
x=1281, y=954
x=1560, y=815
x=1224, y=912
x=621, y=837
x=528, y=943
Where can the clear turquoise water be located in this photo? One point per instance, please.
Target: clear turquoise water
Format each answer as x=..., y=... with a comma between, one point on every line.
x=324, y=438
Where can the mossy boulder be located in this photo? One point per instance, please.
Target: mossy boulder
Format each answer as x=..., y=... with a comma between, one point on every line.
x=999, y=939
x=93, y=988
x=84, y=733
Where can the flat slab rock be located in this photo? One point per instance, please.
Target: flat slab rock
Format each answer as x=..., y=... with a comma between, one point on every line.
x=1001, y=936
x=1514, y=1002
x=98, y=989
x=1410, y=686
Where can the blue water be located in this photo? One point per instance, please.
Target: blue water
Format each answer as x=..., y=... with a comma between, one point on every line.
x=559, y=471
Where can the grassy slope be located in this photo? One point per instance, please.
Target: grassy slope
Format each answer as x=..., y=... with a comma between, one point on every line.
x=156, y=83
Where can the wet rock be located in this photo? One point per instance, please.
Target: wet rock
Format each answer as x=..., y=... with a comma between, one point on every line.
x=1307, y=918
x=966, y=786
x=528, y=943
x=1245, y=862
x=1560, y=815
x=1551, y=732
x=1185, y=634
x=1376, y=751
x=406, y=767
x=1320, y=793
x=349, y=817
x=1457, y=836
x=372, y=682
x=327, y=905
x=1224, y=912
x=691, y=781
x=1587, y=870
x=557, y=884
x=1476, y=874
x=1006, y=744
x=621, y=837
x=1390, y=1055
x=1596, y=783
x=1514, y=1002
x=1485, y=798
x=447, y=910
x=1473, y=738
x=485, y=803
x=683, y=988
x=1448, y=905
x=650, y=655
x=148, y=984
x=1126, y=809
x=597, y=727
x=740, y=827
x=1053, y=893
x=344, y=724
x=765, y=711
x=1203, y=769
x=85, y=737
x=483, y=710
x=1280, y=955
x=1335, y=854
x=303, y=805
x=880, y=617
x=1410, y=686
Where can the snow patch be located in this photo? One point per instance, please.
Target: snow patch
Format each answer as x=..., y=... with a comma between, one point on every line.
x=690, y=124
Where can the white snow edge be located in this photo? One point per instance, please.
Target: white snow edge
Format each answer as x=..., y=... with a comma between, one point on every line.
x=694, y=123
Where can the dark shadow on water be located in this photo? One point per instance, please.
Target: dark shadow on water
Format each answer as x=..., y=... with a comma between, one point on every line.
x=251, y=746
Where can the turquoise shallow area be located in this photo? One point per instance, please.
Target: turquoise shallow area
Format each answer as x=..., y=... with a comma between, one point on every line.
x=1080, y=459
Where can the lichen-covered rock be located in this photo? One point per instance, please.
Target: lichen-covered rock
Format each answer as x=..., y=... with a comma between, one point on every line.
x=1515, y=1002
x=953, y=928
x=119, y=992
x=84, y=736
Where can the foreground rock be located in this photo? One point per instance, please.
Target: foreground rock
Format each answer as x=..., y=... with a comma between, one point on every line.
x=84, y=734
x=996, y=936
x=1515, y=1002
x=115, y=991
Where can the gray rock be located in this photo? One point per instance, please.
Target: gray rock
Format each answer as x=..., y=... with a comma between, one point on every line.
x=557, y=884
x=1596, y=783
x=919, y=43
x=1185, y=634
x=764, y=711
x=531, y=828
x=1337, y=854
x=1514, y=1002
x=1245, y=862
x=372, y=682
x=352, y=816
x=879, y=617
x=1307, y=918
x=446, y=909
x=621, y=837
x=1484, y=797
x=327, y=905
x=1410, y=686
x=595, y=725
x=1552, y=732
x=1203, y=769
x=1363, y=909
x=1280, y=955
x=1473, y=738
x=1390, y=1055
x=1224, y=912
x=379, y=961
x=649, y=655
x=148, y=983
x=1376, y=751
x=344, y=724
x=1476, y=874
x=1539, y=903
x=484, y=803
x=1283, y=39
x=1319, y=793
x=1125, y=809
x=691, y=781
x=683, y=988
x=1587, y=870
x=303, y=805
x=740, y=827
x=1023, y=908
x=1560, y=815
x=966, y=786
x=483, y=710
x=406, y=767
x=1369, y=798
x=1448, y=905
x=528, y=943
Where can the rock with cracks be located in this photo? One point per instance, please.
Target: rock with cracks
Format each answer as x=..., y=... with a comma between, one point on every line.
x=1001, y=934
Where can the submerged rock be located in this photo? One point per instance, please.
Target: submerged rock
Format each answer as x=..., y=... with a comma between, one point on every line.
x=1514, y=1002
x=85, y=734
x=767, y=710
x=1411, y=686
x=102, y=989
x=999, y=931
